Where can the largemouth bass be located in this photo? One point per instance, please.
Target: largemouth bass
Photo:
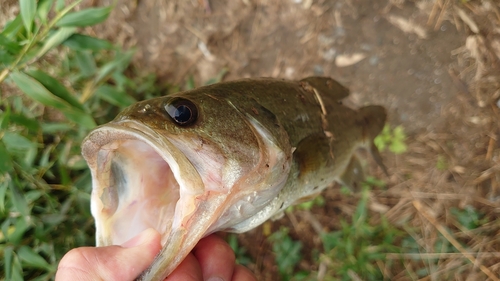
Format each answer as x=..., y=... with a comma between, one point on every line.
x=224, y=157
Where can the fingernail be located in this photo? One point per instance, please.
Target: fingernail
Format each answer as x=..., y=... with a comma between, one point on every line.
x=141, y=238
x=215, y=279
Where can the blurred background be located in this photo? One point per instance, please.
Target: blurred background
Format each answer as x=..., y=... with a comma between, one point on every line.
x=434, y=64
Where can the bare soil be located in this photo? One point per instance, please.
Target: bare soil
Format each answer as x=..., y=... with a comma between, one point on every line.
x=434, y=69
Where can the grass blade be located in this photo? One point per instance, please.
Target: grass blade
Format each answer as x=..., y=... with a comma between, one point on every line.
x=119, y=64
x=5, y=118
x=11, y=28
x=86, y=63
x=7, y=259
x=43, y=9
x=79, y=42
x=20, y=205
x=85, y=17
x=38, y=92
x=32, y=259
x=56, y=39
x=4, y=184
x=55, y=87
x=82, y=118
x=9, y=45
x=114, y=96
x=6, y=163
x=26, y=122
x=28, y=11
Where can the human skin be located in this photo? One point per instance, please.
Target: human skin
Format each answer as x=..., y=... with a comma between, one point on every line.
x=212, y=259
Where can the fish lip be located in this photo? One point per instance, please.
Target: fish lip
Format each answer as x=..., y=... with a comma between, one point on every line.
x=108, y=135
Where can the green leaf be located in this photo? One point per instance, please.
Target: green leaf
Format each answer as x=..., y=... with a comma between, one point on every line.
x=287, y=252
x=397, y=147
x=32, y=259
x=8, y=255
x=17, y=271
x=86, y=63
x=43, y=9
x=18, y=201
x=38, y=92
x=5, y=118
x=119, y=64
x=56, y=39
x=14, y=141
x=82, y=118
x=20, y=228
x=6, y=163
x=81, y=42
x=55, y=87
x=4, y=184
x=28, y=123
x=85, y=17
x=12, y=27
x=52, y=128
x=5, y=58
x=60, y=5
x=9, y=45
x=114, y=96
x=28, y=11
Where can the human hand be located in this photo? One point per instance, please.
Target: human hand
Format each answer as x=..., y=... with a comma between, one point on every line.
x=211, y=258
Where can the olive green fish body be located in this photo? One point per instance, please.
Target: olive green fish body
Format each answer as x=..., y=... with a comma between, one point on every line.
x=227, y=156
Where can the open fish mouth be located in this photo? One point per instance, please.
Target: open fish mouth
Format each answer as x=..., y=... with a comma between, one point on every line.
x=138, y=182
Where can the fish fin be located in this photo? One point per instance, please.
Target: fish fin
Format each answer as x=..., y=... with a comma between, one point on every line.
x=327, y=86
x=278, y=215
x=353, y=176
x=373, y=118
x=378, y=158
x=312, y=154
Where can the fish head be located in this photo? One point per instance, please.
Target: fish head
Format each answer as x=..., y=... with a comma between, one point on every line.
x=186, y=165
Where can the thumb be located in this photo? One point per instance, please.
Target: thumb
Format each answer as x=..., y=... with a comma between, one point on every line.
x=124, y=262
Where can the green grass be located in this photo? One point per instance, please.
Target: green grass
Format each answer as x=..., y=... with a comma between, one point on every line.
x=58, y=85
x=358, y=245
x=393, y=139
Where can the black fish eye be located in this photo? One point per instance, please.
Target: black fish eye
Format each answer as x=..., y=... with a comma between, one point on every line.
x=182, y=111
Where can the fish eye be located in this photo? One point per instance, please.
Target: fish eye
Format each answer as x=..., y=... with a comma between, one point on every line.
x=182, y=111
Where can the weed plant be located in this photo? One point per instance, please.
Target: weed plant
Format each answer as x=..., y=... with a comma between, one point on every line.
x=57, y=84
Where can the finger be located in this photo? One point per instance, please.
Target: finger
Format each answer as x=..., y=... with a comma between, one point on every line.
x=110, y=262
x=188, y=270
x=216, y=258
x=242, y=273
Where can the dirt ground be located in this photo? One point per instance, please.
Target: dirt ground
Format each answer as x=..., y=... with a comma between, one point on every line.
x=433, y=64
